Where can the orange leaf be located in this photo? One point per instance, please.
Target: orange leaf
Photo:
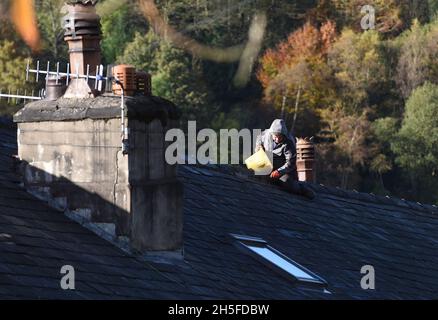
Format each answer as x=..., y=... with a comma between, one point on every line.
x=24, y=19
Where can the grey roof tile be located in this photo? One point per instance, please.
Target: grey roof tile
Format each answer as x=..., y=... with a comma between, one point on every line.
x=334, y=236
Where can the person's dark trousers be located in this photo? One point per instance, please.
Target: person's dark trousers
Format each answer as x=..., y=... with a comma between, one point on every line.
x=290, y=183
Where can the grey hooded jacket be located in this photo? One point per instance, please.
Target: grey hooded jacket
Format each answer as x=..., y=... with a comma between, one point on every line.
x=285, y=153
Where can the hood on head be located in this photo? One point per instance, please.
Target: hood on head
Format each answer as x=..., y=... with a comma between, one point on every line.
x=278, y=126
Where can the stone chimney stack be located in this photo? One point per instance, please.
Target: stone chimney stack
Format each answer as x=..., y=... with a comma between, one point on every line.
x=306, y=160
x=100, y=158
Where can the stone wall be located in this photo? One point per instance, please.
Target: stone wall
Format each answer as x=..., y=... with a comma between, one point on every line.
x=80, y=163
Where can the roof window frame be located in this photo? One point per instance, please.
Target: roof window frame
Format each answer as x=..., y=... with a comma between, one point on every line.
x=244, y=243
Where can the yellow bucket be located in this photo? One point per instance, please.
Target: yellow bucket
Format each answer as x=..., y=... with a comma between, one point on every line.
x=260, y=163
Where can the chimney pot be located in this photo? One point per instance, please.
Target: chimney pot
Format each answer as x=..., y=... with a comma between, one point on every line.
x=55, y=88
x=306, y=160
x=144, y=83
x=126, y=74
x=83, y=35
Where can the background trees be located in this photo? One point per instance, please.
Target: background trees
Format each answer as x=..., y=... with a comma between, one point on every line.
x=175, y=75
x=418, y=57
x=119, y=27
x=13, y=71
x=369, y=98
x=49, y=13
x=295, y=77
x=367, y=139
x=359, y=68
x=415, y=144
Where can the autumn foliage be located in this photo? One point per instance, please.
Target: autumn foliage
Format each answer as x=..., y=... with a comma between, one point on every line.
x=305, y=43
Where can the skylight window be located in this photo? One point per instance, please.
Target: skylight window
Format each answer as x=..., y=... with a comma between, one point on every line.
x=259, y=249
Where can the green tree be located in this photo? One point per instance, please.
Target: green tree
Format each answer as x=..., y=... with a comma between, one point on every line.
x=180, y=80
x=433, y=9
x=225, y=24
x=385, y=131
x=418, y=61
x=119, y=28
x=417, y=139
x=359, y=67
x=415, y=143
x=50, y=15
x=12, y=69
x=7, y=31
x=175, y=75
x=142, y=52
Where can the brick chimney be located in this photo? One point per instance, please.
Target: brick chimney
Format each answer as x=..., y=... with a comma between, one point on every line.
x=74, y=156
x=306, y=160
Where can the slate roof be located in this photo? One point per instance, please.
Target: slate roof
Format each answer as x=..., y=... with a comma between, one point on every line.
x=333, y=236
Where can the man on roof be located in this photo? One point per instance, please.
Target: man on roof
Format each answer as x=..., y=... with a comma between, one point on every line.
x=283, y=148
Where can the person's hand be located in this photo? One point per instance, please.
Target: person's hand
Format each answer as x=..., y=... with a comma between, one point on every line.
x=275, y=175
x=260, y=147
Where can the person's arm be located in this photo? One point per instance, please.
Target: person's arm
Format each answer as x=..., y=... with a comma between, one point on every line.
x=259, y=143
x=290, y=154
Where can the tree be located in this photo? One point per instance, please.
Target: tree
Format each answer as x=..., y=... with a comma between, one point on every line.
x=380, y=164
x=352, y=147
x=7, y=31
x=415, y=144
x=119, y=28
x=12, y=66
x=179, y=79
x=389, y=19
x=296, y=73
x=359, y=68
x=416, y=10
x=385, y=130
x=142, y=52
x=433, y=9
x=49, y=15
x=12, y=69
x=418, y=61
x=175, y=75
x=304, y=43
x=221, y=33
x=222, y=23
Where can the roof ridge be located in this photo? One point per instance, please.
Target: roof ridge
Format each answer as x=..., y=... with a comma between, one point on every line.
x=379, y=199
x=243, y=174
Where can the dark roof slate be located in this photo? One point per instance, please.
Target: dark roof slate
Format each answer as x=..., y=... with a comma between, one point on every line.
x=333, y=236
